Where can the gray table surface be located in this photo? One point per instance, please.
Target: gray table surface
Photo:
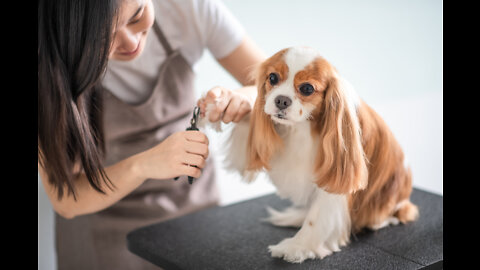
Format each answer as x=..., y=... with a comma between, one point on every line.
x=232, y=237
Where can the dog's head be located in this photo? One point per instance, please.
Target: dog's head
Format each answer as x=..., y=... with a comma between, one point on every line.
x=297, y=85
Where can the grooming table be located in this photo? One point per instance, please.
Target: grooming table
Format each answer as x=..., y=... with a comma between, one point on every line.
x=233, y=237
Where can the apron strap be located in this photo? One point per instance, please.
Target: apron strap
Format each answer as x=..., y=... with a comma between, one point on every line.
x=161, y=37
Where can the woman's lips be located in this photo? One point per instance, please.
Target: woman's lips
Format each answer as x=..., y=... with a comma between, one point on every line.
x=132, y=52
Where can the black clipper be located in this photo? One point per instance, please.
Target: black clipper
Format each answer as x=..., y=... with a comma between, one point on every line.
x=193, y=126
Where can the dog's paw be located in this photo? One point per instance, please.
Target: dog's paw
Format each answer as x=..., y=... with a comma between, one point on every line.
x=385, y=223
x=291, y=251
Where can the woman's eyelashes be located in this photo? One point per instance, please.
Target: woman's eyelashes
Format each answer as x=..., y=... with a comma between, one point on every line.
x=138, y=17
x=136, y=20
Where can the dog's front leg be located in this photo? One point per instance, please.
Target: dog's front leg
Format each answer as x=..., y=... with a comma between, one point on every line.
x=326, y=227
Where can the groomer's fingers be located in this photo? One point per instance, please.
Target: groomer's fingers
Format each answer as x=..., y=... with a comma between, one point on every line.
x=222, y=101
x=194, y=160
x=201, y=104
x=196, y=136
x=197, y=149
x=213, y=94
x=210, y=98
x=232, y=109
x=244, y=109
x=191, y=171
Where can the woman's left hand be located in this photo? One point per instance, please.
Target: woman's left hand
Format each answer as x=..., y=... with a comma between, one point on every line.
x=230, y=106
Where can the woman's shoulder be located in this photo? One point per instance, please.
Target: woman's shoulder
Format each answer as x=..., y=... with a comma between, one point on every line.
x=195, y=25
x=188, y=16
x=172, y=13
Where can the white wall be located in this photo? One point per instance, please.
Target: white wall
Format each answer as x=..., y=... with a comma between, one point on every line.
x=391, y=51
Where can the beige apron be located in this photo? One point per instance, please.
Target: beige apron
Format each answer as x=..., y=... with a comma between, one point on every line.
x=98, y=241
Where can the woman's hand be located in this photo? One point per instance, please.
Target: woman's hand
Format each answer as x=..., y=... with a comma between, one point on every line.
x=173, y=156
x=230, y=106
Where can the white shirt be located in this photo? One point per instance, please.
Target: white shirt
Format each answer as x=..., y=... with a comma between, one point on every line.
x=190, y=26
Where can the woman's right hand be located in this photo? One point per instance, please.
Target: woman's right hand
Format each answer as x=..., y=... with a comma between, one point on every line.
x=174, y=156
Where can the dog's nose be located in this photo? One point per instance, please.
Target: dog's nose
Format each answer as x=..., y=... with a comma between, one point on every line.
x=282, y=102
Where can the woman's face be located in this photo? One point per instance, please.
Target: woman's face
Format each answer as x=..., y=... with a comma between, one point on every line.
x=134, y=22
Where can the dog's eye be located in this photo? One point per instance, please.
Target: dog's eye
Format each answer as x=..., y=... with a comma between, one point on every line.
x=273, y=78
x=306, y=89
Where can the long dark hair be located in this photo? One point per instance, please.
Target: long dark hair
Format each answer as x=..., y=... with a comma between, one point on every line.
x=74, y=38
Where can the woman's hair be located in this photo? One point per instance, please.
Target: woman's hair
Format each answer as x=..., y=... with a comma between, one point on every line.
x=74, y=38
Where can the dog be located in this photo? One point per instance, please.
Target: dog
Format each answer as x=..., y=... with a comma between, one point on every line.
x=325, y=150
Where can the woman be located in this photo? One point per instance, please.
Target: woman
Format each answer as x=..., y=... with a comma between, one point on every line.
x=115, y=94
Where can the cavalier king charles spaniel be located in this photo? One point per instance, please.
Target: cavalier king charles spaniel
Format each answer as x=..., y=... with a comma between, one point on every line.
x=325, y=150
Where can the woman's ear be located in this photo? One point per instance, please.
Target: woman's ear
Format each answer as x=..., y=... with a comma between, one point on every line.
x=263, y=140
x=340, y=164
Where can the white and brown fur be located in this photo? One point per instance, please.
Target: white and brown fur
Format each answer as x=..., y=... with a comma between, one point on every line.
x=331, y=155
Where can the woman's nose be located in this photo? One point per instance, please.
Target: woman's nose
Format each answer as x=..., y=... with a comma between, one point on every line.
x=127, y=41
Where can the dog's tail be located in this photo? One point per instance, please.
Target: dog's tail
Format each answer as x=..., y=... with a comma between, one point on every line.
x=406, y=211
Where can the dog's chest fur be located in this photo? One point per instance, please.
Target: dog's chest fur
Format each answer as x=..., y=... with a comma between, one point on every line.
x=292, y=168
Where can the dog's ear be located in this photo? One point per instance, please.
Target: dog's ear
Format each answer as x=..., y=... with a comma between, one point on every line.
x=340, y=165
x=263, y=140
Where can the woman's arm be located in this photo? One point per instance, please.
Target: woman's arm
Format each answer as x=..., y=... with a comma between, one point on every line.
x=123, y=174
x=241, y=63
x=243, y=60
x=169, y=159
